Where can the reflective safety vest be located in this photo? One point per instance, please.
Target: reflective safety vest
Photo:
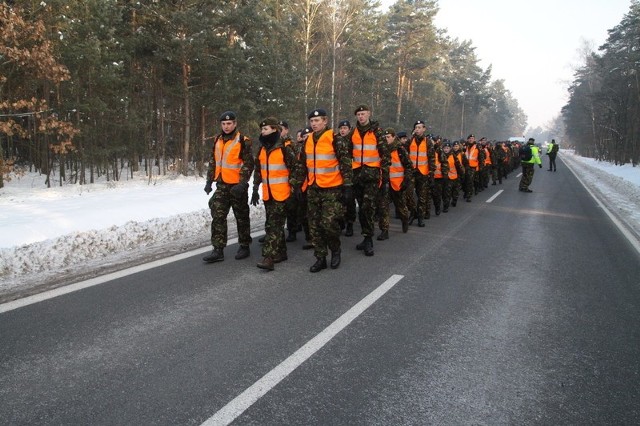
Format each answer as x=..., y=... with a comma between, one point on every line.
x=487, y=156
x=437, y=173
x=323, y=167
x=396, y=171
x=418, y=155
x=275, y=175
x=472, y=156
x=365, y=150
x=228, y=159
x=453, y=173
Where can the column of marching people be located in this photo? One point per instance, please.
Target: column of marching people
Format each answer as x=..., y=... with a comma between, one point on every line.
x=323, y=180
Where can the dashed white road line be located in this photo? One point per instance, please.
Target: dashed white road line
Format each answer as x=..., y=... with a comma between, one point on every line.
x=495, y=196
x=253, y=393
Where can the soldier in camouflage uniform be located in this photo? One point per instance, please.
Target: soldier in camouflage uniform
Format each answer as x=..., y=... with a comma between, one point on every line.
x=344, y=128
x=370, y=156
x=422, y=158
x=455, y=171
x=440, y=178
x=276, y=168
x=400, y=172
x=461, y=159
x=327, y=163
x=230, y=167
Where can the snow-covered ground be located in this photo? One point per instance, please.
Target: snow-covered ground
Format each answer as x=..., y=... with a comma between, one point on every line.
x=80, y=231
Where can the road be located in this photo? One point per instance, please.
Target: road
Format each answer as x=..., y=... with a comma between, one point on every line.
x=521, y=310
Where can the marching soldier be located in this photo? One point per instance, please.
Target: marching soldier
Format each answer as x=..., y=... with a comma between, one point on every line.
x=230, y=168
x=423, y=165
x=370, y=171
x=344, y=128
x=327, y=163
x=275, y=169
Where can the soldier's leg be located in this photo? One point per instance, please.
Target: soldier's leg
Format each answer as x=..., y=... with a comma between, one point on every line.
x=274, y=244
x=332, y=214
x=240, y=208
x=446, y=194
x=316, y=222
x=219, y=203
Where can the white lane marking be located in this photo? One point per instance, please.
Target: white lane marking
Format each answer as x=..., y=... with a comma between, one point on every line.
x=40, y=297
x=495, y=196
x=519, y=174
x=253, y=393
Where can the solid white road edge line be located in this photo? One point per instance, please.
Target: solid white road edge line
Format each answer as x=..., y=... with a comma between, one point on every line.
x=253, y=393
x=627, y=234
x=495, y=196
x=46, y=295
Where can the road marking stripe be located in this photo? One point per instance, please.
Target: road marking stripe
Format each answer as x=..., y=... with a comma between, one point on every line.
x=495, y=196
x=253, y=393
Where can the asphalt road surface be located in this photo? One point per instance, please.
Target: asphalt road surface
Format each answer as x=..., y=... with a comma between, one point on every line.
x=521, y=310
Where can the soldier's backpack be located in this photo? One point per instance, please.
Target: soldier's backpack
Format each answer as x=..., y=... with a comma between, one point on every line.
x=525, y=153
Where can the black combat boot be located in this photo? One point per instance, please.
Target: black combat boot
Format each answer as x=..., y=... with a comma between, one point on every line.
x=321, y=263
x=267, y=263
x=216, y=256
x=335, y=259
x=243, y=252
x=368, y=246
x=360, y=245
x=291, y=237
x=405, y=226
x=421, y=222
x=384, y=235
x=349, y=231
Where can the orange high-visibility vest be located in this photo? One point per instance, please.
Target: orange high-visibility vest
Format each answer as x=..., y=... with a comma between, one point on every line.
x=453, y=173
x=396, y=171
x=275, y=175
x=418, y=155
x=365, y=150
x=323, y=167
x=472, y=156
x=487, y=156
x=437, y=173
x=228, y=159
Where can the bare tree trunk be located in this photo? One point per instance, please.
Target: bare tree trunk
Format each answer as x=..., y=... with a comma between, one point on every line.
x=187, y=118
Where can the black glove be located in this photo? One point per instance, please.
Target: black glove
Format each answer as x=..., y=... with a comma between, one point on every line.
x=540, y=165
x=297, y=193
x=207, y=188
x=239, y=190
x=347, y=194
x=255, y=197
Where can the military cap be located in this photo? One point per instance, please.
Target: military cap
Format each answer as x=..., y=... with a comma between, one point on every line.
x=531, y=140
x=471, y=136
x=306, y=131
x=483, y=139
x=284, y=124
x=446, y=143
x=401, y=134
x=361, y=107
x=419, y=122
x=344, y=123
x=318, y=112
x=456, y=143
x=228, y=115
x=269, y=121
x=390, y=131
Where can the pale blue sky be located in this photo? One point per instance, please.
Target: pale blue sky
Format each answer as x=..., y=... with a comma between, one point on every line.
x=532, y=45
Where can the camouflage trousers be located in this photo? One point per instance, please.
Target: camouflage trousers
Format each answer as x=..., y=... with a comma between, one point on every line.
x=452, y=192
x=325, y=209
x=274, y=243
x=470, y=179
x=423, y=193
x=438, y=191
x=220, y=203
x=382, y=210
x=399, y=199
x=410, y=196
x=527, y=175
x=366, y=192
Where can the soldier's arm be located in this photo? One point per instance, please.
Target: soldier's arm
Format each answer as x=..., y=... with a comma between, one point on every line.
x=384, y=153
x=343, y=154
x=247, y=160
x=257, y=176
x=444, y=164
x=212, y=162
x=293, y=165
x=431, y=159
x=406, y=161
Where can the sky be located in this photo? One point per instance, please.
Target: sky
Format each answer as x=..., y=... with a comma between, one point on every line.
x=59, y=230
x=532, y=45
